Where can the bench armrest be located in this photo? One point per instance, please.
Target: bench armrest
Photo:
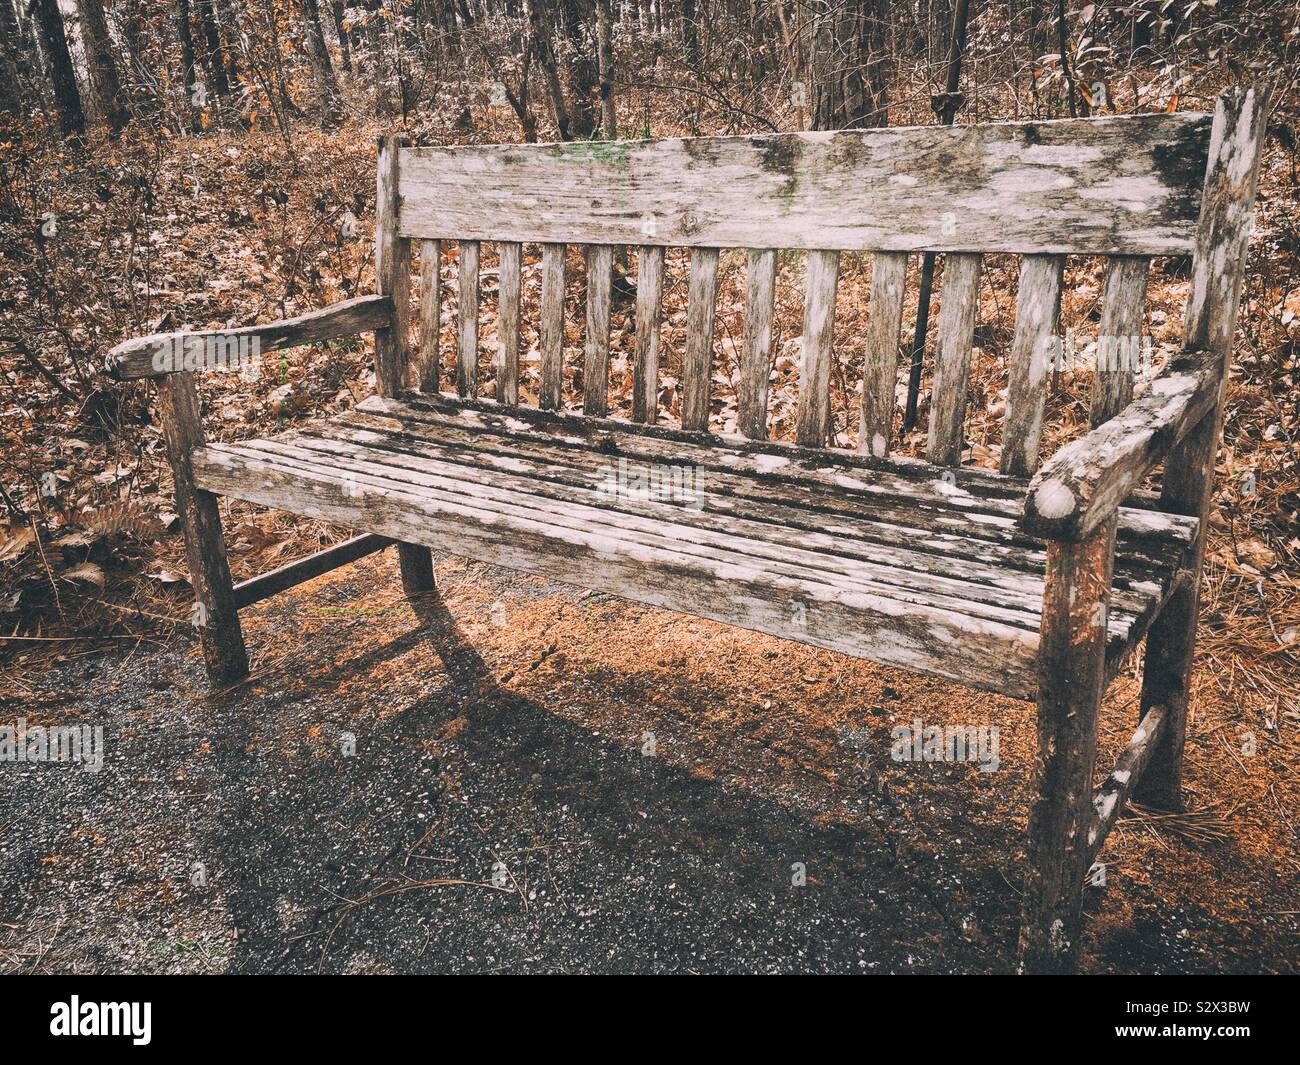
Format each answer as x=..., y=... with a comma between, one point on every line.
x=164, y=353
x=1084, y=483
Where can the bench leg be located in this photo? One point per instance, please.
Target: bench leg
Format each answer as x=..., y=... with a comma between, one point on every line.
x=416, y=565
x=215, y=617
x=1072, y=667
x=1171, y=641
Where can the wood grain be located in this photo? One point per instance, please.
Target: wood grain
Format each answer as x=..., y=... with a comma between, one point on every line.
x=428, y=363
x=467, y=319
x=507, y=361
x=756, y=359
x=1122, y=185
x=595, y=353
x=813, y=414
x=552, y=332
x=1037, y=302
x=698, y=370
x=961, y=279
x=880, y=372
x=162, y=353
x=649, y=319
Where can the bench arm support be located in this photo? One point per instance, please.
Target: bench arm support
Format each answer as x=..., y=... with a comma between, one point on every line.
x=164, y=353
x=1083, y=484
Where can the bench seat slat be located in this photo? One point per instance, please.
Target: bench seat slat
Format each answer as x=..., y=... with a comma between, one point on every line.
x=808, y=555
x=930, y=543
x=778, y=468
x=1011, y=576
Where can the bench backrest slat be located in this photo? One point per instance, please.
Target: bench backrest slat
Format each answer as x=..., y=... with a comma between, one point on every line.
x=880, y=370
x=1038, y=301
x=698, y=371
x=1123, y=308
x=649, y=318
x=427, y=369
x=813, y=415
x=756, y=356
x=552, y=327
x=1122, y=185
x=510, y=277
x=595, y=354
x=467, y=320
x=960, y=296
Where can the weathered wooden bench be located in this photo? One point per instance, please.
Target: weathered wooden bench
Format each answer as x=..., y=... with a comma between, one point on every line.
x=1036, y=581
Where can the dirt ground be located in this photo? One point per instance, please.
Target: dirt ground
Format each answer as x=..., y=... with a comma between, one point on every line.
x=585, y=786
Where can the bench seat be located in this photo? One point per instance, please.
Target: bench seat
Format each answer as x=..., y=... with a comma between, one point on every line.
x=897, y=561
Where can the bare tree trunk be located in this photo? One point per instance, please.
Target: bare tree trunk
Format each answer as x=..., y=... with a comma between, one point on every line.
x=540, y=20
x=11, y=88
x=344, y=35
x=103, y=68
x=850, y=65
x=189, y=81
x=582, y=67
x=67, y=98
x=605, y=56
x=212, y=44
x=327, y=89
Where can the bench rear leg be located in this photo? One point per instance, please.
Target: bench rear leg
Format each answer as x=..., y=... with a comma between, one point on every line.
x=1072, y=667
x=416, y=565
x=1171, y=641
x=216, y=618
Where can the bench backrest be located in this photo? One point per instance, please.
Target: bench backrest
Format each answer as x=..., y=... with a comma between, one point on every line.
x=1127, y=188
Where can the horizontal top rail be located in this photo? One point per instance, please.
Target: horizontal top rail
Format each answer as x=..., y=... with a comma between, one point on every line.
x=1121, y=185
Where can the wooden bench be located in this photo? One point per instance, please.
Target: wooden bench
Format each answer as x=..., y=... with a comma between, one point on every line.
x=1035, y=581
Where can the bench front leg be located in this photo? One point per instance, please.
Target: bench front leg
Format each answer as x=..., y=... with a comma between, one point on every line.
x=216, y=616
x=1071, y=680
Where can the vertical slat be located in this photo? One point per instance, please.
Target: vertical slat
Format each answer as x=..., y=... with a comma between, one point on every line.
x=813, y=416
x=1071, y=677
x=430, y=314
x=880, y=374
x=649, y=317
x=961, y=280
x=508, y=324
x=219, y=631
x=595, y=355
x=699, y=339
x=392, y=273
x=756, y=360
x=1031, y=350
x=552, y=326
x=1123, y=306
x=467, y=348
